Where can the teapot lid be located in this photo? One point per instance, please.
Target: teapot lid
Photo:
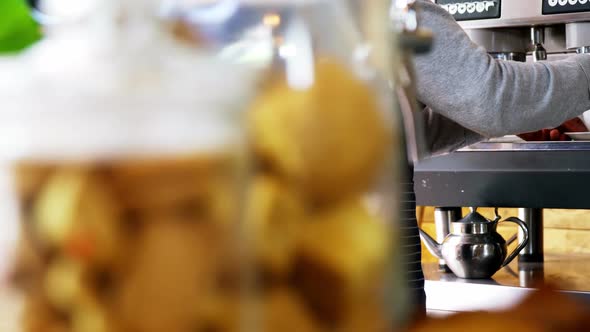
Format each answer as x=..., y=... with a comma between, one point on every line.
x=473, y=217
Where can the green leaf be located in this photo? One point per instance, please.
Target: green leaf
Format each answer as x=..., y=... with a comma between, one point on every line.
x=18, y=30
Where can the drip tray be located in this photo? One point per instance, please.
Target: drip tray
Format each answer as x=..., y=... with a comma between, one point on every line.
x=445, y=293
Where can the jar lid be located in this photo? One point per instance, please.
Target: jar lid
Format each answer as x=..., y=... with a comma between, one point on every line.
x=117, y=82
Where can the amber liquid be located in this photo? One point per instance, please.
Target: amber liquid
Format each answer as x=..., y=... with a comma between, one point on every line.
x=129, y=245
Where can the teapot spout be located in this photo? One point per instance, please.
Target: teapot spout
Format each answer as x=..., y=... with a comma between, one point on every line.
x=431, y=244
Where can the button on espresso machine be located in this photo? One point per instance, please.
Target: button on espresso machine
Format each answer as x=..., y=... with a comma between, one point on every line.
x=531, y=176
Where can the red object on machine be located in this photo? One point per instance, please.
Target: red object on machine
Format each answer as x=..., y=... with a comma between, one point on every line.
x=556, y=134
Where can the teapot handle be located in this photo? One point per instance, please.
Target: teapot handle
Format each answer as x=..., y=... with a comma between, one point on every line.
x=522, y=244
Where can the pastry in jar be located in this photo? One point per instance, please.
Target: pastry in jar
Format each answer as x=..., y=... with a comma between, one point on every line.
x=329, y=145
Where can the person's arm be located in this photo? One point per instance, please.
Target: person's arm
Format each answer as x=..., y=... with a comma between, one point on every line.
x=444, y=135
x=460, y=81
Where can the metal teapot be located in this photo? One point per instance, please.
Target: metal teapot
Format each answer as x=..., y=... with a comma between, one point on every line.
x=474, y=249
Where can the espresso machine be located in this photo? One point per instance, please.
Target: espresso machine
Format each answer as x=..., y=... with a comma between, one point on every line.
x=529, y=176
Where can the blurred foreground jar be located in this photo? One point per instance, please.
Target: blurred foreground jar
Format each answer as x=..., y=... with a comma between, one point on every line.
x=129, y=160
x=322, y=210
x=126, y=152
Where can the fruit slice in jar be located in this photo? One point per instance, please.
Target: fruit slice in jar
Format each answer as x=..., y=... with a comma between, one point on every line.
x=341, y=258
x=39, y=316
x=174, y=272
x=200, y=185
x=63, y=284
x=329, y=138
x=29, y=264
x=88, y=316
x=284, y=311
x=77, y=214
x=273, y=217
x=29, y=179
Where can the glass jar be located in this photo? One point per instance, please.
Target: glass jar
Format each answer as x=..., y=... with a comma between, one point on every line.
x=322, y=207
x=124, y=153
x=131, y=156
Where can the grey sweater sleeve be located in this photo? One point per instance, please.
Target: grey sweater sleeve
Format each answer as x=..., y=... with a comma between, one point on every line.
x=461, y=82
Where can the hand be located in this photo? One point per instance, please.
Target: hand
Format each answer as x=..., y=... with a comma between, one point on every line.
x=544, y=135
x=556, y=134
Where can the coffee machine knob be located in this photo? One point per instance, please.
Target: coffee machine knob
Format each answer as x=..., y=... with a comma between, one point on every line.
x=480, y=7
x=461, y=8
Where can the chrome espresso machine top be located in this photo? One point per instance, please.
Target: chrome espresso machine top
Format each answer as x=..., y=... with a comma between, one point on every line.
x=497, y=13
x=530, y=176
x=505, y=26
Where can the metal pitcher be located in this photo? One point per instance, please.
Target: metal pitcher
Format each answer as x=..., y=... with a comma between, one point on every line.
x=474, y=249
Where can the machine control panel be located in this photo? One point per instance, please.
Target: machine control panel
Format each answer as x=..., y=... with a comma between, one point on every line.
x=565, y=6
x=464, y=10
